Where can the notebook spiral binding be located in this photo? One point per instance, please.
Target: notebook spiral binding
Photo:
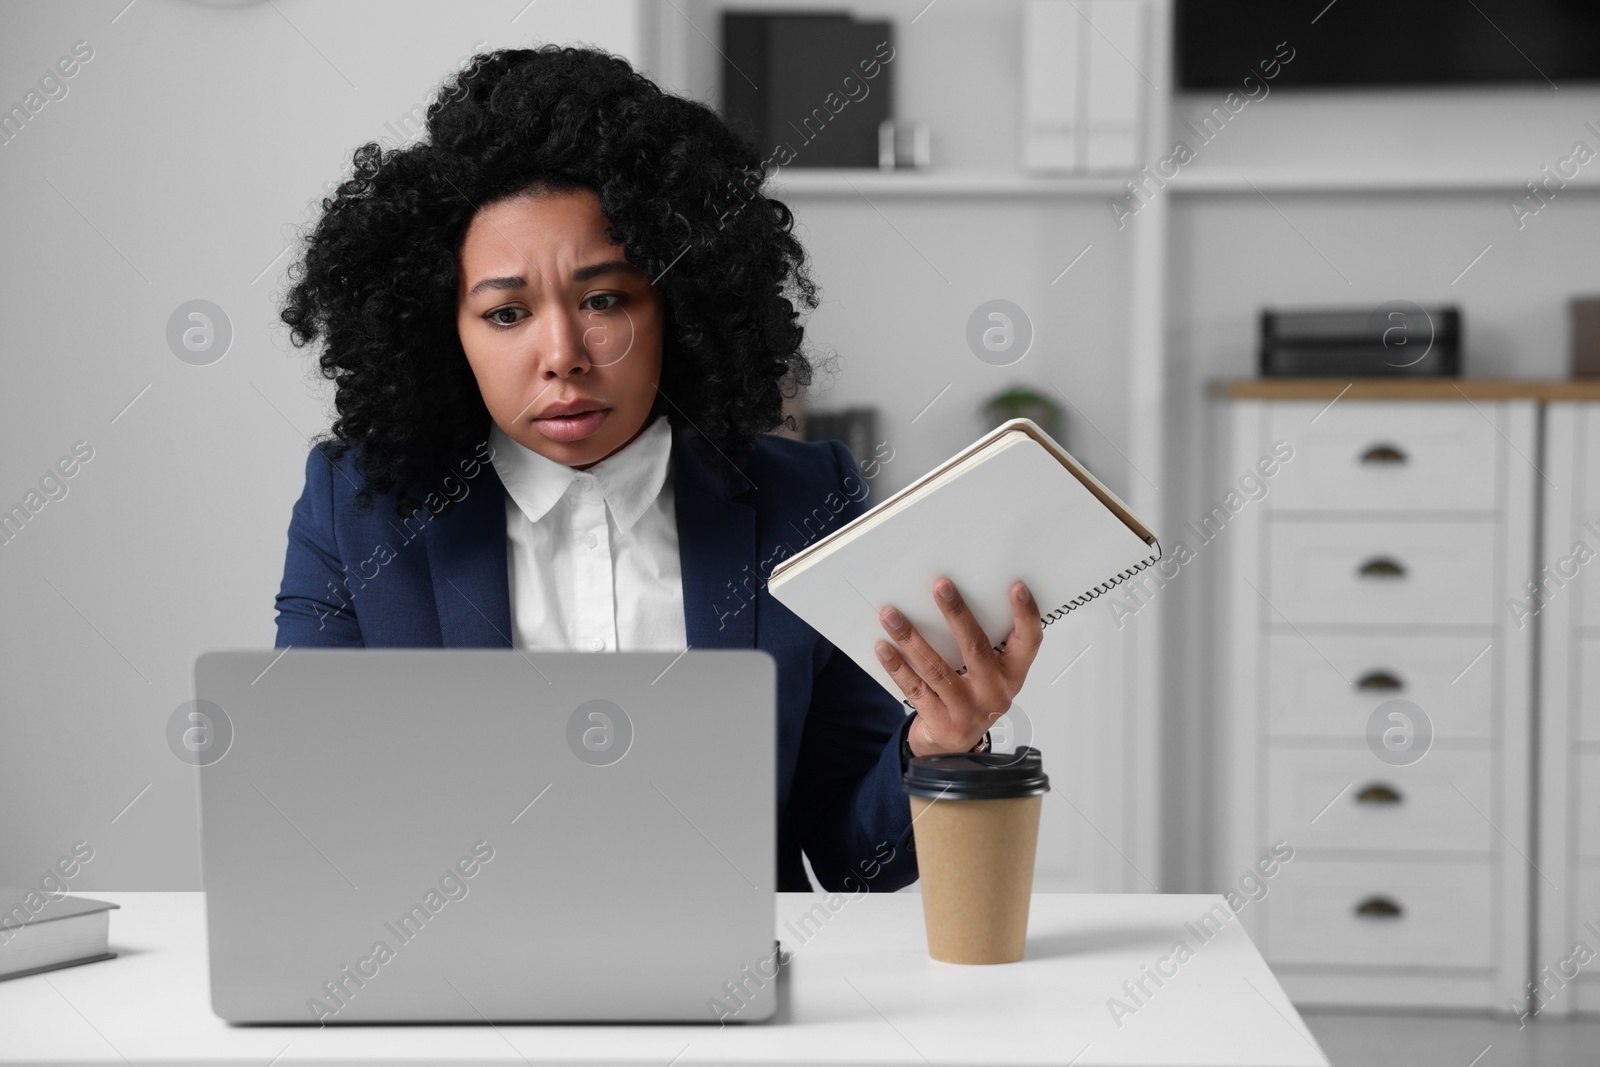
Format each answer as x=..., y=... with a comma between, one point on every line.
x=1103, y=587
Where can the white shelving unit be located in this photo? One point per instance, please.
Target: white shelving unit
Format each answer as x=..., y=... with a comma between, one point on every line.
x=1109, y=727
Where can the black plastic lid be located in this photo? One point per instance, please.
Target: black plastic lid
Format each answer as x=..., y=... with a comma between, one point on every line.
x=977, y=775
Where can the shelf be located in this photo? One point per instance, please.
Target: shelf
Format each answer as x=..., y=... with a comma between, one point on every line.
x=1323, y=181
x=1408, y=389
x=832, y=181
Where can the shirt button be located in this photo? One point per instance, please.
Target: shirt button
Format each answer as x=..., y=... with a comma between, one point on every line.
x=590, y=540
x=597, y=643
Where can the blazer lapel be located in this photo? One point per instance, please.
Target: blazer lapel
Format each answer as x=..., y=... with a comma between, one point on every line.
x=716, y=544
x=467, y=559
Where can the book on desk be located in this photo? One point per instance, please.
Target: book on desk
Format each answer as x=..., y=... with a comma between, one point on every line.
x=61, y=932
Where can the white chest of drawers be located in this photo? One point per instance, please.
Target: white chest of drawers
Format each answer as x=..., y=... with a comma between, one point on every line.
x=1566, y=606
x=1375, y=565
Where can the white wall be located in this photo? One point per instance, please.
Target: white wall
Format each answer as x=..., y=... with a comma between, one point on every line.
x=178, y=165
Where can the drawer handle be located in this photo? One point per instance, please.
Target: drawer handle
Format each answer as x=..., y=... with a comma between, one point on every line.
x=1377, y=793
x=1382, y=568
x=1379, y=680
x=1378, y=908
x=1383, y=455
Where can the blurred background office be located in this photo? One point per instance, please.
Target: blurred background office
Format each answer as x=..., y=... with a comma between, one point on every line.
x=1172, y=232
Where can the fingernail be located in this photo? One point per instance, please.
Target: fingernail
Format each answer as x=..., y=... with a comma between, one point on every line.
x=883, y=651
x=1024, y=596
x=947, y=589
x=893, y=618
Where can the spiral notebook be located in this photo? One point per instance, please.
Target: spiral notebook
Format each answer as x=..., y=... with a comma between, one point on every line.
x=1012, y=505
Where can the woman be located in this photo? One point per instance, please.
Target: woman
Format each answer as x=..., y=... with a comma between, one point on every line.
x=558, y=330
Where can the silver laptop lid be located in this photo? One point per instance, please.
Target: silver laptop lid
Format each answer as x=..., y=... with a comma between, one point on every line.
x=471, y=834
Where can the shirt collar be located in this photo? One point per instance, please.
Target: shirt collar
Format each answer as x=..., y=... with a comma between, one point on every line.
x=630, y=479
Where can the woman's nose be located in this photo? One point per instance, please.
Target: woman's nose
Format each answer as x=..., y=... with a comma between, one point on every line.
x=564, y=344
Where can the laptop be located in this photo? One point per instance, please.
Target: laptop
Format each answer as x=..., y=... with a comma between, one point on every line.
x=487, y=835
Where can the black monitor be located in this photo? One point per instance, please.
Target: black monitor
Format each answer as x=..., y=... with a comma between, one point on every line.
x=1351, y=43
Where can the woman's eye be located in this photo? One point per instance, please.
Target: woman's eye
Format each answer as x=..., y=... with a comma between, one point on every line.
x=491, y=316
x=608, y=302
x=616, y=299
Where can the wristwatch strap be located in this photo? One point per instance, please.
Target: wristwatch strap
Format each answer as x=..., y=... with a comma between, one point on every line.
x=905, y=743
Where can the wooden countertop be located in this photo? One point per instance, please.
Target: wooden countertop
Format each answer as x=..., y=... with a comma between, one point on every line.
x=1407, y=388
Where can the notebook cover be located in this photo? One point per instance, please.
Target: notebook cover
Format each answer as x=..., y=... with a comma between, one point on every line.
x=1028, y=512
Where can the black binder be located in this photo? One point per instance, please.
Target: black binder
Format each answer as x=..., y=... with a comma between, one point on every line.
x=778, y=72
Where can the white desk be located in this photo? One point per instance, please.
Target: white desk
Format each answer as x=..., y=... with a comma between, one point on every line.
x=860, y=990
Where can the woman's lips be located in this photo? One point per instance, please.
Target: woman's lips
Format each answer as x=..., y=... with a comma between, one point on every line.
x=572, y=427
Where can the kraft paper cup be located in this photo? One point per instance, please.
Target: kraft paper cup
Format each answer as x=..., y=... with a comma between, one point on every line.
x=976, y=825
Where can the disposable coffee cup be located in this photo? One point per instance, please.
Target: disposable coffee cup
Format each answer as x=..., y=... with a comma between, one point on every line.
x=975, y=819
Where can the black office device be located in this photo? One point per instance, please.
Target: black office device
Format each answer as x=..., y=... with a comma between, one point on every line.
x=1398, y=339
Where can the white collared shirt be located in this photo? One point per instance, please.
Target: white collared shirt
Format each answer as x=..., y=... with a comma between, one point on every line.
x=592, y=555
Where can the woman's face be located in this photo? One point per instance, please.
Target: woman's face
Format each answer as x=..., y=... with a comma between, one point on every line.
x=551, y=316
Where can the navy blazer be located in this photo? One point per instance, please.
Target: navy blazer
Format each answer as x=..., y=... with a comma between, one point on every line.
x=839, y=732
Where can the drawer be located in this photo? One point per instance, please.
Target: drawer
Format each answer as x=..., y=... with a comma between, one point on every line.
x=1415, y=809
x=1587, y=768
x=1331, y=913
x=1385, y=456
x=1587, y=651
x=1381, y=572
x=1306, y=697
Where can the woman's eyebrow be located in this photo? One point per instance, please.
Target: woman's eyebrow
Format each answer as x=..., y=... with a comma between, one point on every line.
x=582, y=274
x=612, y=266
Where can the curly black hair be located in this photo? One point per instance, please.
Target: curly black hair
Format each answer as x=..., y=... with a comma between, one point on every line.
x=681, y=191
